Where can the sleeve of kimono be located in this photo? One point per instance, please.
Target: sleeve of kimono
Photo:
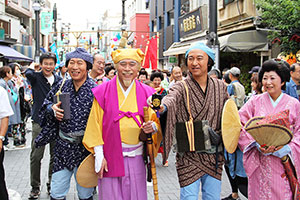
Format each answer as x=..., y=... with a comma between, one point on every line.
x=246, y=112
x=295, y=143
x=49, y=123
x=157, y=137
x=93, y=132
x=170, y=101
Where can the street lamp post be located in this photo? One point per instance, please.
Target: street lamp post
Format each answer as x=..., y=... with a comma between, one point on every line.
x=123, y=23
x=37, y=8
x=212, y=34
x=54, y=24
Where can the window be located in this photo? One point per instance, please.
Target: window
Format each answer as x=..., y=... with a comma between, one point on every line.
x=25, y=4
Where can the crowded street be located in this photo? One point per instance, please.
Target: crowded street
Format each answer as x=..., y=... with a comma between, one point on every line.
x=17, y=167
x=149, y=100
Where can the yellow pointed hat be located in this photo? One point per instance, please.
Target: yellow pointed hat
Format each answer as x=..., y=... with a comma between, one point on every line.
x=231, y=126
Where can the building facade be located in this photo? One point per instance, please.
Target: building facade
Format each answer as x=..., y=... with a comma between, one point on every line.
x=183, y=22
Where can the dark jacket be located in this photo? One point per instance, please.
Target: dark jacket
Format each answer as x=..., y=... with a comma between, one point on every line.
x=40, y=88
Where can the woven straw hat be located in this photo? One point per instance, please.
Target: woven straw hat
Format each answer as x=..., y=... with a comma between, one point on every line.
x=86, y=175
x=231, y=126
x=272, y=130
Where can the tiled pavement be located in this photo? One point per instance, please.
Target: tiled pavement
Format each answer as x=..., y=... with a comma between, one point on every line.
x=17, y=176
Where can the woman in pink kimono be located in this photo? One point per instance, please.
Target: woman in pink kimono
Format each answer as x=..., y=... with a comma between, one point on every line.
x=263, y=166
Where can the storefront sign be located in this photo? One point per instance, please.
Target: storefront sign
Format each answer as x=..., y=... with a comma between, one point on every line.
x=190, y=23
x=172, y=59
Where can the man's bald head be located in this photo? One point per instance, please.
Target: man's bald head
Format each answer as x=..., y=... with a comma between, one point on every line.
x=98, y=64
x=177, y=73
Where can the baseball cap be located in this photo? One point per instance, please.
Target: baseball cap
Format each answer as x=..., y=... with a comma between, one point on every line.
x=254, y=69
x=235, y=71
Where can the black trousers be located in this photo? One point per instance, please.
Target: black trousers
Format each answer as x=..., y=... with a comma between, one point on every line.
x=3, y=190
x=238, y=183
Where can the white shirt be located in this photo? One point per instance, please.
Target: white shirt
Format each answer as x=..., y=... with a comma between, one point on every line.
x=50, y=79
x=5, y=109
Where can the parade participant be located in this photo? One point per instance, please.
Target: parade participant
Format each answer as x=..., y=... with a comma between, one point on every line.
x=67, y=129
x=114, y=127
x=157, y=77
x=41, y=83
x=97, y=72
x=143, y=75
x=263, y=165
x=5, y=112
x=207, y=97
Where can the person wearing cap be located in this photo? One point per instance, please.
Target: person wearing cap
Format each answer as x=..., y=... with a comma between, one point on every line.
x=114, y=126
x=293, y=86
x=41, y=83
x=263, y=165
x=234, y=162
x=235, y=89
x=65, y=123
x=63, y=71
x=207, y=97
x=254, y=71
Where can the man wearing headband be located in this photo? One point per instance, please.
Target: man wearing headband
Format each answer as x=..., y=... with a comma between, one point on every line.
x=207, y=97
x=65, y=122
x=114, y=126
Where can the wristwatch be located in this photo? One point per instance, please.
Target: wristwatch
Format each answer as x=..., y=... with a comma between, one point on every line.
x=2, y=138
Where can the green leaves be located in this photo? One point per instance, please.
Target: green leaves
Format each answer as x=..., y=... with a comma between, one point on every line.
x=284, y=17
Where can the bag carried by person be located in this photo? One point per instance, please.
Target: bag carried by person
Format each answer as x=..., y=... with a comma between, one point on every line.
x=193, y=135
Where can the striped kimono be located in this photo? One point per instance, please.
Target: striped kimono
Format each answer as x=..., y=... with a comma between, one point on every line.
x=205, y=105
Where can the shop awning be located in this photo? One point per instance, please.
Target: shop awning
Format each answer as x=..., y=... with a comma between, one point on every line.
x=9, y=53
x=244, y=41
x=180, y=47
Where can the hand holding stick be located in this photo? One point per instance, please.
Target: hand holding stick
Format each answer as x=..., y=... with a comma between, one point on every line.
x=151, y=156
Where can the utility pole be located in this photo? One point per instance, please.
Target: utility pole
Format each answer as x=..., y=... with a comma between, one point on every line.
x=212, y=35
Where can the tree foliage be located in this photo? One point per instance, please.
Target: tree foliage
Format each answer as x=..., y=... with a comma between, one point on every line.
x=283, y=18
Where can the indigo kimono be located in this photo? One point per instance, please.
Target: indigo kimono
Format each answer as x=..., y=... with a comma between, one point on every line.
x=67, y=153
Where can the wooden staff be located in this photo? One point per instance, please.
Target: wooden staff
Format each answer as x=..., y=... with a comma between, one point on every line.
x=151, y=156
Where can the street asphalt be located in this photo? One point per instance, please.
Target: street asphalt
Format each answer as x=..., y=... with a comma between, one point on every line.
x=17, y=169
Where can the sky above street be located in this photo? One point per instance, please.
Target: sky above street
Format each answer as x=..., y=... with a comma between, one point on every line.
x=79, y=12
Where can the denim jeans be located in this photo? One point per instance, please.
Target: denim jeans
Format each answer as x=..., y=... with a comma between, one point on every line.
x=211, y=189
x=60, y=185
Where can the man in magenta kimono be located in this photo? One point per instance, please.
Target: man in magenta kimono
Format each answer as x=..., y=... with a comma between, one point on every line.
x=114, y=127
x=263, y=166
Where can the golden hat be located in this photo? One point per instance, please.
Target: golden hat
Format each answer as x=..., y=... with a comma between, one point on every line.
x=133, y=54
